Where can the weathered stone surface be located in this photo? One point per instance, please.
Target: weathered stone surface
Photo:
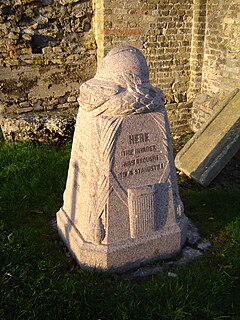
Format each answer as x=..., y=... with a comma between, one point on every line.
x=202, y=108
x=190, y=253
x=206, y=154
x=47, y=2
x=194, y=248
x=204, y=245
x=193, y=235
x=38, y=90
x=121, y=203
x=68, y=1
x=2, y=107
x=45, y=127
x=44, y=90
x=37, y=25
x=36, y=40
x=147, y=271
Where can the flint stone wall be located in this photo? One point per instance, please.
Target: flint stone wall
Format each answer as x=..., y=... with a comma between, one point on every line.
x=47, y=48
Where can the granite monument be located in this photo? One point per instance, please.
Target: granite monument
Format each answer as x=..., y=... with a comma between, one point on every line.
x=121, y=204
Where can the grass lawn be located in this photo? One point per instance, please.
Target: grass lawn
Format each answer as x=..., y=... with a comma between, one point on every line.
x=39, y=280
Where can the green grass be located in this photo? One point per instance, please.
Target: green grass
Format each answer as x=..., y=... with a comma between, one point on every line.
x=39, y=280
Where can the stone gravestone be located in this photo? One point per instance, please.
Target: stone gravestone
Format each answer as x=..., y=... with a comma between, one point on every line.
x=121, y=204
x=210, y=149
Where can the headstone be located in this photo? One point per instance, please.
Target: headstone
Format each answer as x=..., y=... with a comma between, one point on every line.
x=121, y=204
x=211, y=148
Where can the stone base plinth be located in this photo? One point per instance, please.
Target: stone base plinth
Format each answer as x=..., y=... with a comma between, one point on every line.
x=121, y=256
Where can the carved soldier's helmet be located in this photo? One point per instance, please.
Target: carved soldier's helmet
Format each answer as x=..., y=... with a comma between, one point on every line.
x=124, y=60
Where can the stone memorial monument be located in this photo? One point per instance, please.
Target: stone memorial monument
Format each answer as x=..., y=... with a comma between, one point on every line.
x=121, y=204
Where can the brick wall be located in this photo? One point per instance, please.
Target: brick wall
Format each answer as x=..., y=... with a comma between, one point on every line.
x=197, y=47
x=161, y=29
x=221, y=65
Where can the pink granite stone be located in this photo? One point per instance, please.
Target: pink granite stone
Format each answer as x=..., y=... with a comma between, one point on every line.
x=121, y=204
